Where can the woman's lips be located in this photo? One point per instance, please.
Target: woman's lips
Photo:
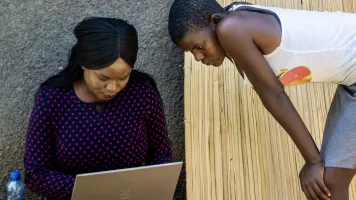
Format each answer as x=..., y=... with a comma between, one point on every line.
x=109, y=96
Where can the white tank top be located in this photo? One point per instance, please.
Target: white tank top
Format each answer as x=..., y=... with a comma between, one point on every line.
x=315, y=46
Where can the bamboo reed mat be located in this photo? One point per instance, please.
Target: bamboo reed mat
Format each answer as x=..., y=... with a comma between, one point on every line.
x=234, y=148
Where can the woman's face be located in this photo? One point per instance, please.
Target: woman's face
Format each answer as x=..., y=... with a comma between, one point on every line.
x=106, y=83
x=204, y=45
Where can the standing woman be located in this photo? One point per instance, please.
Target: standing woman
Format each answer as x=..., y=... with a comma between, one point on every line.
x=274, y=48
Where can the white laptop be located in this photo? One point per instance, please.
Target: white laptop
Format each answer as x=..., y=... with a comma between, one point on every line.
x=154, y=182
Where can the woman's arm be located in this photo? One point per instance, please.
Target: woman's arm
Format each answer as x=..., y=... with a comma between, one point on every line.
x=40, y=175
x=160, y=149
x=238, y=38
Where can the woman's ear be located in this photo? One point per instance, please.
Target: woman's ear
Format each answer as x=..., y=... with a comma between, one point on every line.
x=215, y=18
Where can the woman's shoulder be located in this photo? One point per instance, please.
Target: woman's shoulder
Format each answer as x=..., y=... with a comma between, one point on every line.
x=51, y=93
x=142, y=87
x=142, y=82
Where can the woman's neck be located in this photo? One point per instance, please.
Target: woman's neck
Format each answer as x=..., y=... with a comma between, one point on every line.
x=83, y=92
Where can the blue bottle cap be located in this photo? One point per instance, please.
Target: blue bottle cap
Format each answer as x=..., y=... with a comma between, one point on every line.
x=15, y=175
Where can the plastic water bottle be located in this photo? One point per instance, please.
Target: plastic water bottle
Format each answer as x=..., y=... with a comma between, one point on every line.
x=15, y=188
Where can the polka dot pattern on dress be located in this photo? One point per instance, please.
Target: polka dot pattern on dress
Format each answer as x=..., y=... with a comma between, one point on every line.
x=67, y=136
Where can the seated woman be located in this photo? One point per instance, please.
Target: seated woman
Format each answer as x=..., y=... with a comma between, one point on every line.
x=97, y=114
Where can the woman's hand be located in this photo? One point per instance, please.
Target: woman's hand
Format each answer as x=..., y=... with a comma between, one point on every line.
x=312, y=182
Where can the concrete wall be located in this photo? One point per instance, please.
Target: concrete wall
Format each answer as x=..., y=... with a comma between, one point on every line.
x=35, y=38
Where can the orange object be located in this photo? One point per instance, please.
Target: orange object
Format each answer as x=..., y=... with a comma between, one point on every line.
x=297, y=75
